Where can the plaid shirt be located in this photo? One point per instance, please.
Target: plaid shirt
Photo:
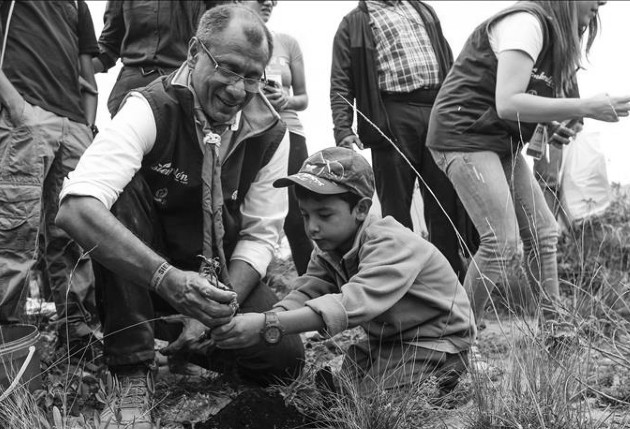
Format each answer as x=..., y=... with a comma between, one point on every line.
x=405, y=58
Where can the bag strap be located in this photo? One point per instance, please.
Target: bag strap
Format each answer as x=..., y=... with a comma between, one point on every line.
x=6, y=33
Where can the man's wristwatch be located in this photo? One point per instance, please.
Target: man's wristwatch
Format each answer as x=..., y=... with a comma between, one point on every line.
x=273, y=331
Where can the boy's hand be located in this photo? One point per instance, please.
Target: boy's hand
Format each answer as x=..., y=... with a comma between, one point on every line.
x=242, y=331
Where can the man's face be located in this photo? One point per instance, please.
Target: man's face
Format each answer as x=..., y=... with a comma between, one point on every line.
x=219, y=100
x=330, y=223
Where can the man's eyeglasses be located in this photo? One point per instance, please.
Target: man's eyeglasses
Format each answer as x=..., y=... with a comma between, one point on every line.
x=228, y=77
x=274, y=3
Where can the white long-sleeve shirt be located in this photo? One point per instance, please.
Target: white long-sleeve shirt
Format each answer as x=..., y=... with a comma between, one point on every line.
x=116, y=154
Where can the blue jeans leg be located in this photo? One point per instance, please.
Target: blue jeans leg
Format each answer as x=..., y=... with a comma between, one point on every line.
x=505, y=204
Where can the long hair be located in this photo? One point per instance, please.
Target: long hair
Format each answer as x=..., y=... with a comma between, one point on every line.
x=567, y=37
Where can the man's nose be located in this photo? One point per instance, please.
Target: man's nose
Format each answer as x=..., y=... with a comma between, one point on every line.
x=237, y=88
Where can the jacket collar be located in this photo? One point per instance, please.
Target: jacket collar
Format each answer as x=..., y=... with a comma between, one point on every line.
x=257, y=117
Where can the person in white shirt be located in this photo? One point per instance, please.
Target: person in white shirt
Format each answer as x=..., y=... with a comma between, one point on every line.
x=515, y=74
x=186, y=168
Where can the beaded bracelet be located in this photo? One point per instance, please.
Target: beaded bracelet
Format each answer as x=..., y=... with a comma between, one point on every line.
x=159, y=274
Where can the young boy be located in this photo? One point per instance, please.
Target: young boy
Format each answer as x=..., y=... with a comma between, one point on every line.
x=370, y=272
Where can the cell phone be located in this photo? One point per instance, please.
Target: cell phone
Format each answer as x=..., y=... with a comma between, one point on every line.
x=272, y=84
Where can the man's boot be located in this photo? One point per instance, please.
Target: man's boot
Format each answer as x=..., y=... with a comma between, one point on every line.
x=130, y=400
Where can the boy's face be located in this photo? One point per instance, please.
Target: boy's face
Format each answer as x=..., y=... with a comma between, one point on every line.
x=331, y=224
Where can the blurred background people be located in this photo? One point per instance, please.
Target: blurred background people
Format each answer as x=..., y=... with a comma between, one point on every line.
x=286, y=92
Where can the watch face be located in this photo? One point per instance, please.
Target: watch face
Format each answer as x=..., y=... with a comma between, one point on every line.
x=273, y=334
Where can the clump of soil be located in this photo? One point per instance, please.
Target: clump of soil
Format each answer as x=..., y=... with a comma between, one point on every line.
x=257, y=409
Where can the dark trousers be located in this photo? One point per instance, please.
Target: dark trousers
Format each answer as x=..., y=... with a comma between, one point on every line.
x=395, y=179
x=132, y=77
x=130, y=313
x=301, y=245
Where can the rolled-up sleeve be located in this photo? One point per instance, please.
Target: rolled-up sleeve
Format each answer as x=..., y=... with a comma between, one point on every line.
x=263, y=212
x=115, y=155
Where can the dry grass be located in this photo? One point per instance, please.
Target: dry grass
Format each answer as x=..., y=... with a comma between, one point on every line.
x=583, y=385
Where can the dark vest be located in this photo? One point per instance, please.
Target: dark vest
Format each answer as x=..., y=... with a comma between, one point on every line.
x=464, y=117
x=173, y=172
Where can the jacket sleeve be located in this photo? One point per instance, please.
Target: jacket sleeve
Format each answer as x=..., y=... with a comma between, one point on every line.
x=341, y=83
x=110, y=41
x=389, y=264
x=314, y=283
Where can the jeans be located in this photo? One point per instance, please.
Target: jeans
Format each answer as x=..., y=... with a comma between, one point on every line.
x=301, y=245
x=37, y=150
x=547, y=174
x=504, y=202
x=130, y=312
x=395, y=179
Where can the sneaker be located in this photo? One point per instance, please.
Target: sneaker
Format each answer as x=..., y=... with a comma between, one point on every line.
x=129, y=402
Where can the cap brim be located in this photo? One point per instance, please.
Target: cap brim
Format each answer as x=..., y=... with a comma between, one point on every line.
x=312, y=183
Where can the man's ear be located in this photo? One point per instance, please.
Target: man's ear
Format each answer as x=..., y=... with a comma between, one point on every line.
x=363, y=208
x=193, y=52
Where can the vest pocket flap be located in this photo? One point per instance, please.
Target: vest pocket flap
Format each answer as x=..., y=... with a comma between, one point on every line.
x=17, y=204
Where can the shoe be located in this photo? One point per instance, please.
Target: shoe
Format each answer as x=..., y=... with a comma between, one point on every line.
x=129, y=402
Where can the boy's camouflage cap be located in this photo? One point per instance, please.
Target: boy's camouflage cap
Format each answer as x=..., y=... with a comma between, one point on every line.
x=334, y=170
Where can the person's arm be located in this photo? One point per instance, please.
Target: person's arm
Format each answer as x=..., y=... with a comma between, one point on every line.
x=89, y=94
x=263, y=211
x=110, y=41
x=244, y=329
x=299, y=100
x=10, y=98
x=89, y=222
x=513, y=103
x=341, y=87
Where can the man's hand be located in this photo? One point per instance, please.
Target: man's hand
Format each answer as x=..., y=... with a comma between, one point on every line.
x=348, y=141
x=192, y=295
x=242, y=331
x=193, y=338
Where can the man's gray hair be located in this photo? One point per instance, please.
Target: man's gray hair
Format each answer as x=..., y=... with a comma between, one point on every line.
x=214, y=21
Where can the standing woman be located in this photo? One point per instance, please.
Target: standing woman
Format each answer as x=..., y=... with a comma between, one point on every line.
x=511, y=75
x=287, y=94
x=150, y=37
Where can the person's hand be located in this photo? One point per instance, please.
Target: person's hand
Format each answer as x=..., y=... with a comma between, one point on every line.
x=277, y=97
x=348, y=141
x=242, y=331
x=194, y=337
x=192, y=295
x=15, y=108
x=560, y=134
x=604, y=107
